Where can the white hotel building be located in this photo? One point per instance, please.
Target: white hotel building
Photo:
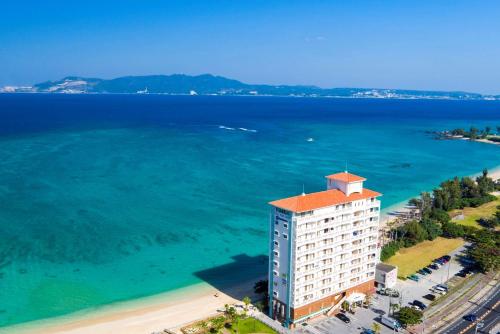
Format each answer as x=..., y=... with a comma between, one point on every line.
x=323, y=249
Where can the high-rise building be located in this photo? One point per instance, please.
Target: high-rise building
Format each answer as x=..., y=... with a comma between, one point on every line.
x=323, y=249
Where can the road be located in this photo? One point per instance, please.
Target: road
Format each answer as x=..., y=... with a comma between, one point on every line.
x=490, y=306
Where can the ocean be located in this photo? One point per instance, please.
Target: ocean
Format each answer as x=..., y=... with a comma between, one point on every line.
x=106, y=198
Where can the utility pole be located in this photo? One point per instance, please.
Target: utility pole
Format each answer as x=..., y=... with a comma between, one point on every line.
x=479, y=324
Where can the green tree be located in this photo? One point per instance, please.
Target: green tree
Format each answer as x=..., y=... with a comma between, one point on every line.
x=203, y=325
x=246, y=300
x=217, y=324
x=413, y=233
x=432, y=228
x=473, y=133
x=452, y=230
x=487, y=256
x=408, y=316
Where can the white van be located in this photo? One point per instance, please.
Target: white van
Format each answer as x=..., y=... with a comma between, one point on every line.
x=391, y=323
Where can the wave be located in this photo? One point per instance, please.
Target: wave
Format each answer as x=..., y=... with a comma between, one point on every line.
x=232, y=129
x=247, y=130
x=226, y=127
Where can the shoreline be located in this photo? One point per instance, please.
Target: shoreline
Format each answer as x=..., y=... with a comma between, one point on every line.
x=170, y=310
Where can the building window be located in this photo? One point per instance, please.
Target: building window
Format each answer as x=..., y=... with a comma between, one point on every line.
x=285, y=225
x=275, y=293
x=276, y=263
x=276, y=233
x=285, y=236
x=276, y=243
x=275, y=273
x=276, y=253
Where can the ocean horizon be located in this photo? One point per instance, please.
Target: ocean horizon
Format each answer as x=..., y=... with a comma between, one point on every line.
x=109, y=198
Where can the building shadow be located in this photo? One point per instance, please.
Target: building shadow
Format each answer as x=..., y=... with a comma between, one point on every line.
x=237, y=278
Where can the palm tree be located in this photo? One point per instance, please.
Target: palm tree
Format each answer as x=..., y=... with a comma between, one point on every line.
x=246, y=300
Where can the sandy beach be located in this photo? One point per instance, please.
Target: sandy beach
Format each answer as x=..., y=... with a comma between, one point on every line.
x=171, y=310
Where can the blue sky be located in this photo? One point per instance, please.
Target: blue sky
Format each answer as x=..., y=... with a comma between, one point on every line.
x=436, y=45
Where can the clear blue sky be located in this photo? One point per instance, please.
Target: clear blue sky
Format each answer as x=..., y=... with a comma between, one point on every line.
x=438, y=45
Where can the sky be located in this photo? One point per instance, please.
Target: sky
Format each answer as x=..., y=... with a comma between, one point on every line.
x=427, y=45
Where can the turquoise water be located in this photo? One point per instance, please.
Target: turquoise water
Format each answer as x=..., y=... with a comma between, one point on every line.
x=109, y=198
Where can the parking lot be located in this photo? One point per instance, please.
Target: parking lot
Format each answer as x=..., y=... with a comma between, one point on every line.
x=409, y=290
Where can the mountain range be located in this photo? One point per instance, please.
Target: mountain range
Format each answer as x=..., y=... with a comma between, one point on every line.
x=207, y=84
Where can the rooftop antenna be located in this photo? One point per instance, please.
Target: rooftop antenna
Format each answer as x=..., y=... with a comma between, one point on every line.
x=346, y=166
x=303, y=190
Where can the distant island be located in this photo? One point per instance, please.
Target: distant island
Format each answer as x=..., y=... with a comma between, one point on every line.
x=207, y=84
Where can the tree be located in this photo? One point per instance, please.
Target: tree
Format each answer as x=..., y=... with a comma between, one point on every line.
x=473, y=133
x=376, y=327
x=487, y=256
x=246, y=300
x=217, y=324
x=413, y=232
x=203, y=325
x=409, y=316
x=433, y=229
x=452, y=230
x=485, y=184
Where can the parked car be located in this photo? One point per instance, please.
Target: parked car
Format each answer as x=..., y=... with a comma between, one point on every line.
x=368, y=331
x=422, y=272
x=427, y=270
x=419, y=304
x=440, y=261
x=439, y=292
x=447, y=258
x=461, y=273
x=344, y=318
x=434, y=266
x=430, y=297
x=414, y=277
x=470, y=317
x=442, y=286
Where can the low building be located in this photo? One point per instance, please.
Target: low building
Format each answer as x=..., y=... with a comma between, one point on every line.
x=386, y=276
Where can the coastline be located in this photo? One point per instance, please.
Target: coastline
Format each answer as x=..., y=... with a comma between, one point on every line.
x=170, y=310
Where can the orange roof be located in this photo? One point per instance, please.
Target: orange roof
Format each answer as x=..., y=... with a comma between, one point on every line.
x=345, y=177
x=321, y=199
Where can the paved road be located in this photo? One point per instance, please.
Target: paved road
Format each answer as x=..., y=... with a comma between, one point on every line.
x=490, y=320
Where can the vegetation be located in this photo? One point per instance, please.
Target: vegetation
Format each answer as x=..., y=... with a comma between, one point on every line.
x=376, y=327
x=409, y=260
x=408, y=316
x=252, y=325
x=475, y=133
x=230, y=322
x=478, y=216
x=435, y=222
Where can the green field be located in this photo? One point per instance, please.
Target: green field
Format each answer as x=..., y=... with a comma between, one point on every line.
x=409, y=260
x=251, y=325
x=473, y=214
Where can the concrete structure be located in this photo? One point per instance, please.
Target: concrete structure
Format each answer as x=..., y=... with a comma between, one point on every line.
x=386, y=276
x=323, y=247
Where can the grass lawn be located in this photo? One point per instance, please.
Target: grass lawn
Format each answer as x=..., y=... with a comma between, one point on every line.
x=473, y=214
x=251, y=325
x=409, y=260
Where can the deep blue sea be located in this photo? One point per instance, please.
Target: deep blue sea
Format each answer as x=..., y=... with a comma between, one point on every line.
x=105, y=198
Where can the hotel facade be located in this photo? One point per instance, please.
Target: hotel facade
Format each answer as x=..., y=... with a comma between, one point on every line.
x=324, y=249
